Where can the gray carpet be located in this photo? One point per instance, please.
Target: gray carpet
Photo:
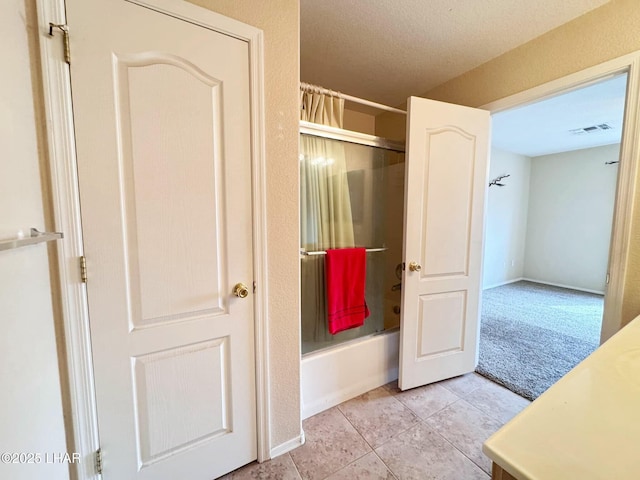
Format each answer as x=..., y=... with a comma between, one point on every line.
x=533, y=334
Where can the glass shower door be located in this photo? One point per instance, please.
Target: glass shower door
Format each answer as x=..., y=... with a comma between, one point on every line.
x=351, y=195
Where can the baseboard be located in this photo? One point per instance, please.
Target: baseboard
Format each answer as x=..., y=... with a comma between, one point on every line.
x=335, y=376
x=288, y=446
x=570, y=287
x=502, y=283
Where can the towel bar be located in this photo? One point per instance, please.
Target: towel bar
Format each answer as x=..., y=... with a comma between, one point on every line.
x=322, y=252
x=34, y=238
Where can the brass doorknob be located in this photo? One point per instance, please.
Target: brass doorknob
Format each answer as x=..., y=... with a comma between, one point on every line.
x=240, y=290
x=415, y=267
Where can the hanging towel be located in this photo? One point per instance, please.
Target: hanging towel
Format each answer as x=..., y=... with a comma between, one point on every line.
x=345, y=271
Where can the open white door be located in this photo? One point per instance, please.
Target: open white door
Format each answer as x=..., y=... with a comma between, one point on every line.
x=162, y=121
x=446, y=177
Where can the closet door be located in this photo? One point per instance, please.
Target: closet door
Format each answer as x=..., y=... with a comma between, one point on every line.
x=446, y=177
x=162, y=122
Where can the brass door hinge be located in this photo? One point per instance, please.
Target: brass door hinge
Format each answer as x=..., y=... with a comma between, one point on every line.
x=83, y=269
x=99, y=461
x=65, y=38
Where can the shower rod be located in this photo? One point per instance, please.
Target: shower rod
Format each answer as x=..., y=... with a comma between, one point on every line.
x=323, y=252
x=325, y=91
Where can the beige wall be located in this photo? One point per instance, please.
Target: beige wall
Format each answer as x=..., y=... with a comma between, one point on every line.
x=359, y=122
x=392, y=125
x=600, y=35
x=603, y=34
x=31, y=414
x=279, y=19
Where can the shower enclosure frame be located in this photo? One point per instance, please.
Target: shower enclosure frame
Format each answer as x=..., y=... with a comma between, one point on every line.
x=334, y=133
x=372, y=359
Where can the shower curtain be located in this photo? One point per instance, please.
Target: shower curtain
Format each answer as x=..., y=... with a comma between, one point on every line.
x=325, y=207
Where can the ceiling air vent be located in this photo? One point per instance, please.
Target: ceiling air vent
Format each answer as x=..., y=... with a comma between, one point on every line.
x=591, y=129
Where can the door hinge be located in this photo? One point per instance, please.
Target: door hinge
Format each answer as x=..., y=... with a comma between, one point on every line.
x=83, y=269
x=99, y=461
x=65, y=38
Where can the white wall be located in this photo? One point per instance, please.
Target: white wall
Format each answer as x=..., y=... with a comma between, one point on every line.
x=571, y=202
x=506, y=219
x=31, y=417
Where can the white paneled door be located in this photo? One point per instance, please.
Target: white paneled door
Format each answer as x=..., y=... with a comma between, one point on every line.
x=447, y=153
x=162, y=117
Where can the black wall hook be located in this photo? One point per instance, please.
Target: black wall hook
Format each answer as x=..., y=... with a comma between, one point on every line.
x=496, y=181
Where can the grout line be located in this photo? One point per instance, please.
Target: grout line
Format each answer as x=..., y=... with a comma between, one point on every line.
x=385, y=464
x=455, y=447
x=434, y=413
x=337, y=407
x=295, y=465
x=489, y=412
x=356, y=429
x=345, y=466
x=373, y=449
x=419, y=420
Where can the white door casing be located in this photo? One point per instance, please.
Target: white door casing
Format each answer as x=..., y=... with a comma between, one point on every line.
x=445, y=189
x=162, y=120
x=621, y=237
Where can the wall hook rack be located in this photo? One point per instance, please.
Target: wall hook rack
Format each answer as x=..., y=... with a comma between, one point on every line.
x=496, y=181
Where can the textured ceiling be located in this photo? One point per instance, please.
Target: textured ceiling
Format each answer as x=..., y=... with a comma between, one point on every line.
x=558, y=124
x=387, y=50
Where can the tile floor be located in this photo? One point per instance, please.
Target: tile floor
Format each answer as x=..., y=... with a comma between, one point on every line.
x=432, y=432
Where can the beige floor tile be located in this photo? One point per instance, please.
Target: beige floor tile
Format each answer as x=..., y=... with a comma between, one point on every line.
x=392, y=387
x=369, y=467
x=421, y=453
x=378, y=416
x=331, y=443
x=464, y=384
x=427, y=400
x=280, y=468
x=466, y=428
x=496, y=401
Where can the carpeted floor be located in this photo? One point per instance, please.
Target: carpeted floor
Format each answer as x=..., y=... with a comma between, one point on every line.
x=532, y=334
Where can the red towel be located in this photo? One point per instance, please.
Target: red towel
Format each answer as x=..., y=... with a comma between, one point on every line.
x=345, y=271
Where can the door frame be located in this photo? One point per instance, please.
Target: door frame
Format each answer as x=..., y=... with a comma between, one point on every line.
x=80, y=397
x=620, y=244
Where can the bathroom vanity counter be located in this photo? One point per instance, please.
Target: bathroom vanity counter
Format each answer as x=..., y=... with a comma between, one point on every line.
x=586, y=426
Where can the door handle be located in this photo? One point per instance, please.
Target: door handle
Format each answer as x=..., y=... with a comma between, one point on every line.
x=240, y=290
x=415, y=267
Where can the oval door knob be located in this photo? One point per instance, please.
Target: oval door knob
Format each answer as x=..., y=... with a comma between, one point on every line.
x=415, y=267
x=240, y=290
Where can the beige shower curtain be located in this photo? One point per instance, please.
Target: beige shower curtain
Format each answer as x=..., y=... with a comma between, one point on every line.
x=325, y=206
x=325, y=203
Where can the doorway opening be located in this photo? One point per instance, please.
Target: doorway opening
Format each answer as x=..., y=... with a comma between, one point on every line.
x=550, y=211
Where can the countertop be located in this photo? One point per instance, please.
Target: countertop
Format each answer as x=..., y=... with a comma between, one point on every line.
x=586, y=426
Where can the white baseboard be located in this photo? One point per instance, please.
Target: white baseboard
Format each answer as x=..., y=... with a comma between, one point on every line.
x=571, y=287
x=507, y=282
x=331, y=377
x=288, y=446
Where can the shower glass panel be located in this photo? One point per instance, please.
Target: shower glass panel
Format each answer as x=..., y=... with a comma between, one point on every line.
x=351, y=195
